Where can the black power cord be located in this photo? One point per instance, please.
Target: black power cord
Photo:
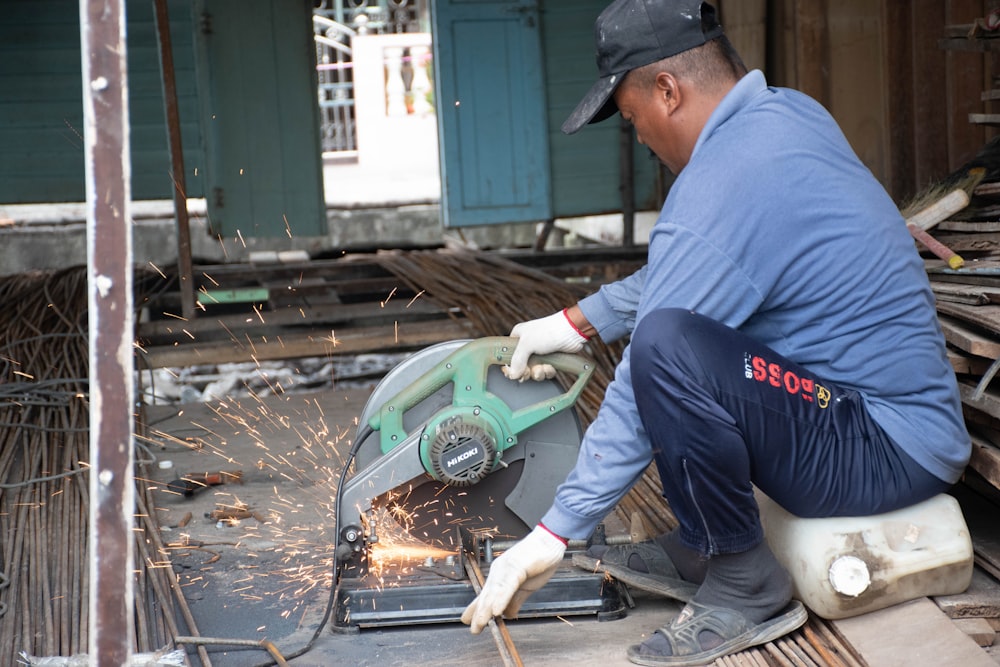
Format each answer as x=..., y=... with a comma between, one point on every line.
x=362, y=435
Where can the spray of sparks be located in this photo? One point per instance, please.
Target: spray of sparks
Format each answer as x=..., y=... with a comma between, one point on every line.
x=310, y=456
x=298, y=445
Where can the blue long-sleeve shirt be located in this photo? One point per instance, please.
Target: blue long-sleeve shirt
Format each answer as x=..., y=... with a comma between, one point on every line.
x=776, y=228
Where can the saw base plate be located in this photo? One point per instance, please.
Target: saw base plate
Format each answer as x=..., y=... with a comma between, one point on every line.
x=410, y=596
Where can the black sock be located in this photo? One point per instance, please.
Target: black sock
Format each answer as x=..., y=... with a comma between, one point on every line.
x=752, y=582
x=690, y=564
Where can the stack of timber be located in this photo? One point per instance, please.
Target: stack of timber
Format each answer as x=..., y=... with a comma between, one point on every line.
x=968, y=297
x=354, y=304
x=967, y=293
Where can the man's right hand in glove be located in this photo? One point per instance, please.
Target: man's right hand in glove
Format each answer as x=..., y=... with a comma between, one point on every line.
x=554, y=333
x=514, y=575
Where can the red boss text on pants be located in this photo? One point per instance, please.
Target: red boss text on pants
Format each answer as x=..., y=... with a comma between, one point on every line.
x=761, y=370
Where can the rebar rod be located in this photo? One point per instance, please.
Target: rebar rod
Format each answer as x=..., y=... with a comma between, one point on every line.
x=45, y=416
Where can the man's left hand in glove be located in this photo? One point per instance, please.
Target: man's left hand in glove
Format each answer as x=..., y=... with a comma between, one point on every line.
x=514, y=575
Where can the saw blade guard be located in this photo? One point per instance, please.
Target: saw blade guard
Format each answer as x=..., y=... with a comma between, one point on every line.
x=451, y=436
x=467, y=370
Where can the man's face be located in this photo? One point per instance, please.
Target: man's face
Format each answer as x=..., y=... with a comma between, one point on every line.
x=649, y=110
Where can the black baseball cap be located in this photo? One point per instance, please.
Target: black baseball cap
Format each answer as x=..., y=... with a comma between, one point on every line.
x=633, y=33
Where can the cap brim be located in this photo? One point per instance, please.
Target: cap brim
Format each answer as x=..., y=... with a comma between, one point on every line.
x=597, y=105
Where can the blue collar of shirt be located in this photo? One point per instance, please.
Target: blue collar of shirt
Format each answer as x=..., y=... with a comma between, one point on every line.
x=736, y=99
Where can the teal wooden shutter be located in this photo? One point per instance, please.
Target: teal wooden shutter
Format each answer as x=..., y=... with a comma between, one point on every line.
x=491, y=112
x=260, y=117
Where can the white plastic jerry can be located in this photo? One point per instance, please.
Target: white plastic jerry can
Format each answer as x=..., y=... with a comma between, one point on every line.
x=845, y=566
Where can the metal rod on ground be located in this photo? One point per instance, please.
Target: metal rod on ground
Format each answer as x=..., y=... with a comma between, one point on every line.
x=810, y=650
x=508, y=652
x=175, y=586
x=157, y=584
x=259, y=643
x=111, y=327
x=822, y=647
x=611, y=540
x=788, y=654
x=844, y=650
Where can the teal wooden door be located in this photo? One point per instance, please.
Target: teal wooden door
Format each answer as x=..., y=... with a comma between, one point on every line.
x=491, y=112
x=261, y=118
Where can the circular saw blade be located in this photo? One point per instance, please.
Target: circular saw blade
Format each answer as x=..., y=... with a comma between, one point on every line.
x=506, y=503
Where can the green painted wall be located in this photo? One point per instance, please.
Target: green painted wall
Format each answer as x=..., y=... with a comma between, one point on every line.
x=585, y=166
x=41, y=102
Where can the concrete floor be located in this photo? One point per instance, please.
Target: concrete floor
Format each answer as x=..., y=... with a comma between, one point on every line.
x=265, y=577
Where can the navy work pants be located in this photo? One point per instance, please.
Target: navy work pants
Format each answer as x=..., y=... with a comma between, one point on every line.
x=723, y=411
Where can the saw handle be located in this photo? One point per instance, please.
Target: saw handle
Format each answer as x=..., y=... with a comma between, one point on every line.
x=468, y=367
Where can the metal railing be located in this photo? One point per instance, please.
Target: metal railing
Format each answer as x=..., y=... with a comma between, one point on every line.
x=335, y=24
x=334, y=67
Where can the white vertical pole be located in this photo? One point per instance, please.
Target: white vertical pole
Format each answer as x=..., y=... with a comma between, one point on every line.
x=421, y=84
x=395, y=89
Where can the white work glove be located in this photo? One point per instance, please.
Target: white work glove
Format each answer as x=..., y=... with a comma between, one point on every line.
x=554, y=333
x=514, y=575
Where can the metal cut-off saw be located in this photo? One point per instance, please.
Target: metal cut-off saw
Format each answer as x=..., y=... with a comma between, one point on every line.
x=466, y=460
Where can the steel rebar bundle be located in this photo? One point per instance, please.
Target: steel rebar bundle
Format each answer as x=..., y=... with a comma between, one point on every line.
x=44, y=485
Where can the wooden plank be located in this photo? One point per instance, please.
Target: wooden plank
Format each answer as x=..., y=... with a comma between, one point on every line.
x=984, y=212
x=986, y=460
x=988, y=403
x=964, y=338
x=965, y=77
x=412, y=335
x=981, y=226
x=980, y=600
x=959, y=362
x=977, y=629
x=812, y=44
x=991, y=119
x=955, y=293
x=974, y=45
x=905, y=143
x=986, y=281
x=987, y=317
x=966, y=364
x=969, y=242
x=158, y=332
x=857, y=93
x=908, y=634
x=746, y=26
x=984, y=267
x=925, y=79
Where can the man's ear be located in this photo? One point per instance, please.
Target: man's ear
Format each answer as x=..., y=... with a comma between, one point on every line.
x=668, y=91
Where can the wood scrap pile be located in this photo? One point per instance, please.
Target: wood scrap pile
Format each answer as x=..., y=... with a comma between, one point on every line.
x=963, y=216
x=963, y=219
